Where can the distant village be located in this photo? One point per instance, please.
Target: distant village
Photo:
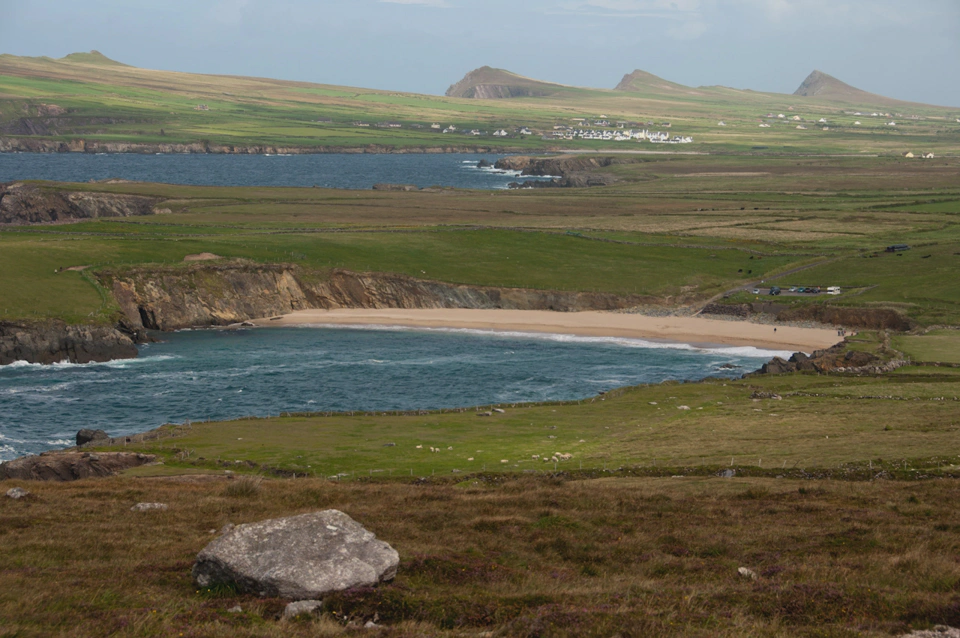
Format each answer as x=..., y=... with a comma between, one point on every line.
x=579, y=129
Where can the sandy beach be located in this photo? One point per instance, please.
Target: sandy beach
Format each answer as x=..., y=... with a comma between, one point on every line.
x=691, y=330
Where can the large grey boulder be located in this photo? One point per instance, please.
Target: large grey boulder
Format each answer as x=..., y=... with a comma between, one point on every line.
x=297, y=558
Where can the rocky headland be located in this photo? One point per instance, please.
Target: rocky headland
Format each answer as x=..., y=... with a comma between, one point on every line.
x=53, y=341
x=568, y=171
x=22, y=203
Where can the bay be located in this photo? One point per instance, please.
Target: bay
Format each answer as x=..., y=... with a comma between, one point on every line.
x=215, y=375
x=342, y=170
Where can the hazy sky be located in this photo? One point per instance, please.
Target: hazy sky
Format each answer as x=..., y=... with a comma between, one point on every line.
x=908, y=49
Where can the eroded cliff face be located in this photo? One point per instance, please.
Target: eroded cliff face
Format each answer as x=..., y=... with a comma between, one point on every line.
x=54, y=341
x=224, y=294
x=27, y=204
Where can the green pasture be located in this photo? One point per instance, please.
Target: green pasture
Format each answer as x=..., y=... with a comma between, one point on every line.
x=940, y=346
x=819, y=422
x=110, y=102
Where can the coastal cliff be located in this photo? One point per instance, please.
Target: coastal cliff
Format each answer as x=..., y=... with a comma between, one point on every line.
x=568, y=171
x=219, y=295
x=54, y=341
x=27, y=204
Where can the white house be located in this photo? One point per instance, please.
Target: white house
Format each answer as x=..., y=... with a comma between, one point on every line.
x=927, y=156
x=764, y=125
x=500, y=133
x=909, y=155
x=801, y=127
x=721, y=123
x=435, y=126
x=525, y=131
x=450, y=129
x=796, y=118
x=891, y=123
x=822, y=120
x=857, y=123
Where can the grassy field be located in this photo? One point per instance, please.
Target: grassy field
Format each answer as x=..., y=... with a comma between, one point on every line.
x=818, y=423
x=940, y=346
x=521, y=557
x=676, y=231
x=108, y=102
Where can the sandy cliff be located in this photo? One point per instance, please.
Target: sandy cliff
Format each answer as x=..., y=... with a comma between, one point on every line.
x=217, y=295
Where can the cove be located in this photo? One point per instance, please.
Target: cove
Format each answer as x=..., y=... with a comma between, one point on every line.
x=215, y=374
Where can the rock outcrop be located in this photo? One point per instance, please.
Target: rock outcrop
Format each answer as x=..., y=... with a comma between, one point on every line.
x=70, y=466
x=834, y=359
x=567, y=171
x=54, y=342
x=86, y=436
x=225, y=294
x=298, y=558
x=29, y=204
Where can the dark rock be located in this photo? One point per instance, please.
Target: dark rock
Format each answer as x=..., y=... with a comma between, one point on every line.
x=484, y=164
x=71, y=466
x=778, y=366
x=54, y=341
x=299, y=558
x=29, y=204
x=89, y=436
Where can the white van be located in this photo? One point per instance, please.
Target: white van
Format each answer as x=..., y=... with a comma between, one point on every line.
x=833, y=290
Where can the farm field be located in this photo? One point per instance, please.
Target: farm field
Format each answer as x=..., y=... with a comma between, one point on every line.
x=676, y=232
x=89, y=98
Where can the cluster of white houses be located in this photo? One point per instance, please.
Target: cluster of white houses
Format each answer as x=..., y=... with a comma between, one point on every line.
x=618, y=135
x=615, y=133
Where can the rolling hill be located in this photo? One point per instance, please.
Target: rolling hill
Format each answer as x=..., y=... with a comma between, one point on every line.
x=88, y=102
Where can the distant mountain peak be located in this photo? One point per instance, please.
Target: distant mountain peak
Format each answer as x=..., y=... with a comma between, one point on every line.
x=488, y=83
x=826, y=87
x=93, y=57
x=819, y=83
x=642, y=81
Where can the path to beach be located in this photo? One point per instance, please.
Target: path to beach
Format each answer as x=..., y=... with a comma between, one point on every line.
x=692, y=330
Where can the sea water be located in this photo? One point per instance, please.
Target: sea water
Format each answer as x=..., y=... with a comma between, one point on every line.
x=215, y=374
x=336, y=170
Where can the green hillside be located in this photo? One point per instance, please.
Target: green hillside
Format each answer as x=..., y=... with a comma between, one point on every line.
x=86, y=99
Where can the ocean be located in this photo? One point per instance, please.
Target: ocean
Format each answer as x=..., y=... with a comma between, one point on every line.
x=341, y=170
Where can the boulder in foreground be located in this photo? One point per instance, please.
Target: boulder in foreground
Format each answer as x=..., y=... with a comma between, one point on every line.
x=297, y=558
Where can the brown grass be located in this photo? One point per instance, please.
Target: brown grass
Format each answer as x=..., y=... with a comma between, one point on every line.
x=526, y=557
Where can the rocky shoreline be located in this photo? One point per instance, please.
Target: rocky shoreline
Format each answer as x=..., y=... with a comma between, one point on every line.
x=34, y=145
x=47, y=342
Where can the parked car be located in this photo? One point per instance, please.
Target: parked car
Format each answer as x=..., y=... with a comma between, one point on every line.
x=775, y=290
x=756, y=291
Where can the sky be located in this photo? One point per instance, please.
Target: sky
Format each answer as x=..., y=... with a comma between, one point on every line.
x=906, y=49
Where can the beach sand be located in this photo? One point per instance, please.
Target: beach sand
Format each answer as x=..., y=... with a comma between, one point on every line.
x=691, y=330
